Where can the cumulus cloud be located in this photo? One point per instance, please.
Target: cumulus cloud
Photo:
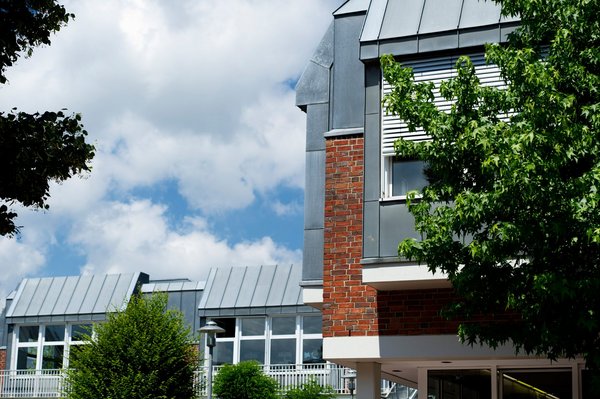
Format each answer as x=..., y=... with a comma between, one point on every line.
x=194, y=92
x=135, y=236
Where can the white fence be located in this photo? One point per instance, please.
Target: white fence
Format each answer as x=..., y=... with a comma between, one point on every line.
x=50, y=383
x=290, y=376
x=31, y=383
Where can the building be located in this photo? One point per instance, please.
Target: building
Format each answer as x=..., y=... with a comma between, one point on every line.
x=260, y=308
x=380, y=313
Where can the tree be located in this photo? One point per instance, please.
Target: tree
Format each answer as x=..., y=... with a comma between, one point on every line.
x=40, y=147
x=142, y=352
x=244, y=380
x=512, y=207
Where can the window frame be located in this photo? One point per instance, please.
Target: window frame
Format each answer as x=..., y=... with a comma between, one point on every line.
x=41, y=343
x=269, y=336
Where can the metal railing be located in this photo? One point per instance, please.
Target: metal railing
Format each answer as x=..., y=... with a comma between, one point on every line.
x=290, y=376
x=50, y=383
x=31, y=383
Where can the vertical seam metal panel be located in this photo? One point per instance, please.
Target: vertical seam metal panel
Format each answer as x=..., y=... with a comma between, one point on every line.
x=37, y=284
x=62, y=286
x=16, y=298
x=237, y=297
x=226, y=284
x=99, y=293
x=462, y=6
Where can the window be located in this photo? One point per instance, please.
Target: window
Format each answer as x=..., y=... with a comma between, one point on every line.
x=398, y=177
x=46, y=346
x=402, y=176
x=252, y=339
x=282, y=339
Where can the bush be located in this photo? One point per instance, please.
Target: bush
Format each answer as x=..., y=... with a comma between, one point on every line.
x=244, y=380
x=311, y=390
x=143, y=352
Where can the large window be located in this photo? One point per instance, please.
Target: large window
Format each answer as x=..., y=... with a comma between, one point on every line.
x=399, y=177
x=282, y=339
x=45, y=347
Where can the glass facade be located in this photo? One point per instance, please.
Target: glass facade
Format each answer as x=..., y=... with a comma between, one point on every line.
x=46, y=346
x=291, y=339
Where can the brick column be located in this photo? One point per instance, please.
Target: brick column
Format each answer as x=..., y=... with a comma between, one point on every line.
x=349, y=307
x=2, y=358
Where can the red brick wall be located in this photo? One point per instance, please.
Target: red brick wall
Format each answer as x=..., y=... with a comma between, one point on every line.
x=2, y=359
x=349, y=307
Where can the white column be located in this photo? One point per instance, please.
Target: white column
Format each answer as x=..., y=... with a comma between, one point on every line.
x=422, y=383
x=368, y=381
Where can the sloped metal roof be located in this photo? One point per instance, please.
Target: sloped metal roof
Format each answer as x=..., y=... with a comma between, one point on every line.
x=352, y=6
x=413, y=26
x=173, y=286
x=253, y=291
x=72, y=298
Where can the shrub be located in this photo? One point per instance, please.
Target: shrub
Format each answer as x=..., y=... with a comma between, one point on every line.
x=244, y=380
x=311, y=390
x=143, y=352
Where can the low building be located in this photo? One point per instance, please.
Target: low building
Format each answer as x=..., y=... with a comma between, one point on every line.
x=260, y=308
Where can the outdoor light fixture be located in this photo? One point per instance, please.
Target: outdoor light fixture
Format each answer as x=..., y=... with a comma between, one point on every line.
x=211, y=329
x=350, y=377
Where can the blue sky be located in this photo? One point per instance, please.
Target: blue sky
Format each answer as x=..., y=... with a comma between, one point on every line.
x=200, y=149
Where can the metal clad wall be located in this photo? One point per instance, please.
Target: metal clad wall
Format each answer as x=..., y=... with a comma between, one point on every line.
x=263, y=287
x=26, y=290
x=348, y=73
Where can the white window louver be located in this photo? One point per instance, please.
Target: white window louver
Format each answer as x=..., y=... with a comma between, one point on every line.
x=434, y=70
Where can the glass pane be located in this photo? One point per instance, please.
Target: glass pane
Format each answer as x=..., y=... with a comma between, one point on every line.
x=460, y=384
x=284, y=325
x=78, y=331
x=228, y=324
x=223, y=353
x=254, y=326
x=26, y=358
x=53, y=357
x=407, y=176
x=312, y=324
x=312, y=351
x=283, y=351
x=55, y=333
x=253, y=350
x=524, y=384
x=28, y=333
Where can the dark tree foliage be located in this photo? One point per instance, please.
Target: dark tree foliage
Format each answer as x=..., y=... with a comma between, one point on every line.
x=143, y=352
x=34, y=148
x=512, y=209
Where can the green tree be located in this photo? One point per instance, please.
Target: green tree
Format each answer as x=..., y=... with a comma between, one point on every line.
x=40, y=147
x=143, y=352
x=311, y=390
x=512, y=209
x=244, y=380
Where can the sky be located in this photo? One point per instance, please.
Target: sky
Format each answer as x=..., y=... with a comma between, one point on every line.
x=199, y=146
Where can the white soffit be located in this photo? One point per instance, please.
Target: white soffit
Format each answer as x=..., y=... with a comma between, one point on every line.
x=387, y=277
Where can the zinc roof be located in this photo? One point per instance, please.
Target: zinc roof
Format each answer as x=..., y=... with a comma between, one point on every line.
x=72, y=298
x=253, y=290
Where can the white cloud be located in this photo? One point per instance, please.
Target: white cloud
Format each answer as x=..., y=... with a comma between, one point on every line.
x=17, y=259
x=190, y=91
x=135, y=236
